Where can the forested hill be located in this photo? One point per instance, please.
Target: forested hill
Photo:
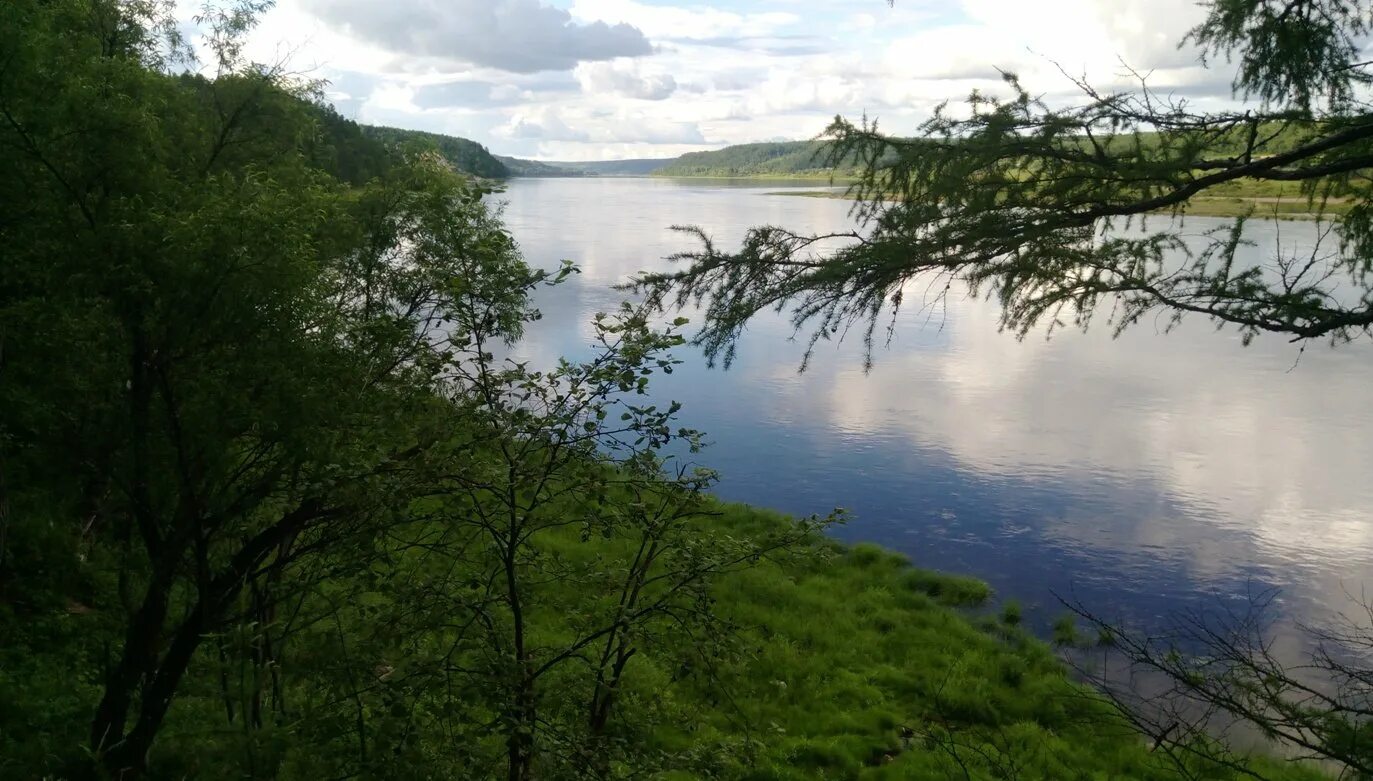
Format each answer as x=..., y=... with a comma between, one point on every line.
x=781, y=158
x=637, y=167
x=464, y=155
x=473, y=158
x=518, y=167
x=633, y=167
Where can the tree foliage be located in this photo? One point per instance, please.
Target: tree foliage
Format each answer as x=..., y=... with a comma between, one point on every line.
x=214, y=351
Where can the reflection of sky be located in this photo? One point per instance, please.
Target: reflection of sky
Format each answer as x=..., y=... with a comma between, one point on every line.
x=1136, y=473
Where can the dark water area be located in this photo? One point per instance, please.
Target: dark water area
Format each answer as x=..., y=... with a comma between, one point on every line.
x=1140, y=475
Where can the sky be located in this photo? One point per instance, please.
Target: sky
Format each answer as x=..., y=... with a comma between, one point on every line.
x=616, y=79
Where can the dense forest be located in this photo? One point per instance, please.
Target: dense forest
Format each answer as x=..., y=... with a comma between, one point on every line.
x=273, y=504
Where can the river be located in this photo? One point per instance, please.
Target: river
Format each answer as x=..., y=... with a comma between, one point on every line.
x=1139, y=475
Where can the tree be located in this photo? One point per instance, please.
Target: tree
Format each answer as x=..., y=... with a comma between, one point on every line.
x=575, y=450
x=557, y=545
x=217, y=356
x=251, y=384
x=1022, y=201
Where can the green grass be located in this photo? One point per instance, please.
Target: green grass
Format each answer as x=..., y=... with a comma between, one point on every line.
x=848, y=663
x=863, y=668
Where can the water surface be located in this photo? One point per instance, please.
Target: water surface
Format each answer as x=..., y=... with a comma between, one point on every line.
x=1138, y=474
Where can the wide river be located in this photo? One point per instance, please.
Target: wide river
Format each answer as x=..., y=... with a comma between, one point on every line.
x=1139, y=475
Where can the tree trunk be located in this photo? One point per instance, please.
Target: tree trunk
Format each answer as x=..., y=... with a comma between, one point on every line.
x=520, y=744
x=602, y=703
x=129, y=757
x=125, y=755
x=137, y=662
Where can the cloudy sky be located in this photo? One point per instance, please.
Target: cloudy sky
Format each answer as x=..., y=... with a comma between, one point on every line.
x=612, y=79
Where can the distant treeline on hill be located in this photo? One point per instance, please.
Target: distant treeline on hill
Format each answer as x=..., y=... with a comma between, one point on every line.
x=634, y=167
x=811, y=158
x=780, y=159
x=518, y=167
x=473, y=158
x=638, y=167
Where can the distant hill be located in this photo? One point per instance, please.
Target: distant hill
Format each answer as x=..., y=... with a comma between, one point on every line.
x=638, y=167
x=464, y=155
x=518, y=167
x=780, y=158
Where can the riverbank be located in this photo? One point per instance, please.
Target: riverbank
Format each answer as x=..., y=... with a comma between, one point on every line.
x=866, y=667
x=1271, y=207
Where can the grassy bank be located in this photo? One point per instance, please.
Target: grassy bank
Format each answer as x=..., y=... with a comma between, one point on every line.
x=865, y=667
x=846, y=663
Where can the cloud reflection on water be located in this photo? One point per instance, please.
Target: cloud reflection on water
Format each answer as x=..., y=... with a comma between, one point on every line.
x=1142, y=469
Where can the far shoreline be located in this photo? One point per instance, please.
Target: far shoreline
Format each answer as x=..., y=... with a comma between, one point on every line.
x=1268, y=208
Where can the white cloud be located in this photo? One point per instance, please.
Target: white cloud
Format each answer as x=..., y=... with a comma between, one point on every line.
x=700, y=73
x=697, y=21
x=625, y=78
x=624, y=126
x=523, y=36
